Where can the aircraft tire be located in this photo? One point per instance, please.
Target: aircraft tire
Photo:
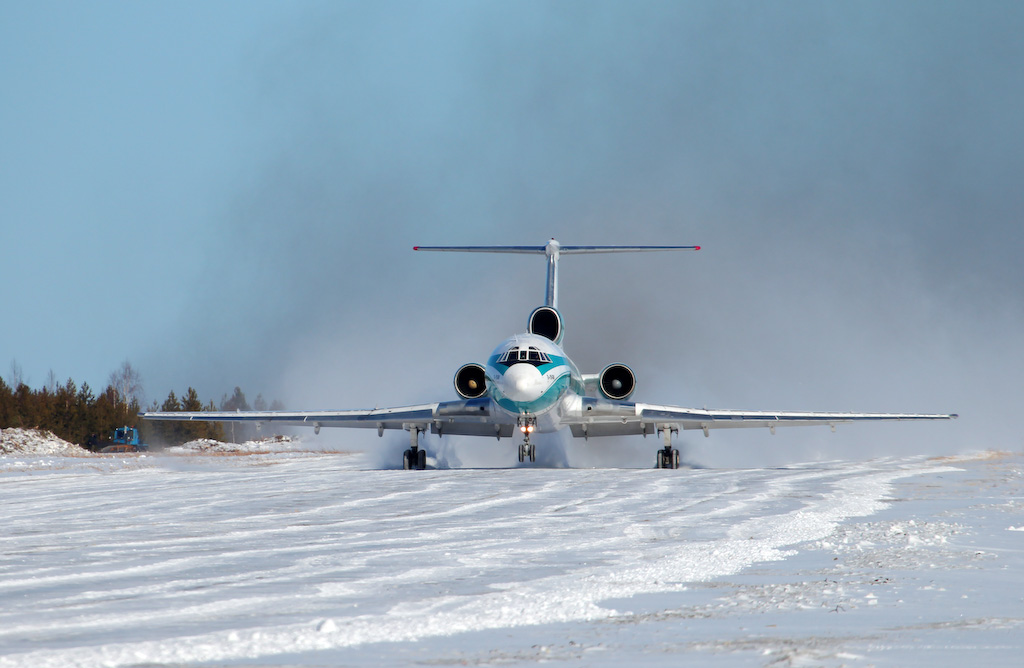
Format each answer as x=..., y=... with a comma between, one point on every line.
x=522, y=453
x=533, y=452
x=407, y=460
x=421, y=459
x=667, y=459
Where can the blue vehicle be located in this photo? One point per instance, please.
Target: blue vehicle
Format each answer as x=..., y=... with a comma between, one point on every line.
x=125, y=439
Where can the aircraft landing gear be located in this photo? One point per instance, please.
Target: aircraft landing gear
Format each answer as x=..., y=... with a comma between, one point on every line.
x=527, y=450
x=668, y=457
x=414, y=458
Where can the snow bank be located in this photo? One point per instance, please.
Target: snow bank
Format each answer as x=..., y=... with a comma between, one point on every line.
x=208, y=446
x=37, y=442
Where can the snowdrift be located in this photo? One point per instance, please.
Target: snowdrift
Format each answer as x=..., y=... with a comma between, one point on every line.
x=37, y=442
x=207, y=446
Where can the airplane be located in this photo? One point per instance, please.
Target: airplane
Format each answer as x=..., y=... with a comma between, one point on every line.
x=529, y=385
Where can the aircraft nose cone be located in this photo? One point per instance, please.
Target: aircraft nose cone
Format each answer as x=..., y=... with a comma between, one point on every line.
x=522, y=382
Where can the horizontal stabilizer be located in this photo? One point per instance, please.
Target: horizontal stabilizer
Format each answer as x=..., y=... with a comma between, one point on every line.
x=553, y=250
x=543, y=250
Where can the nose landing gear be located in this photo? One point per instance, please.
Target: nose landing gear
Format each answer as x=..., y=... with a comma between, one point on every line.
x=527, y=450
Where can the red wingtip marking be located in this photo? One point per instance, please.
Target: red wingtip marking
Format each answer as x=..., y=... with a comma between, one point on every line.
x=697, y=248
x=415, y=247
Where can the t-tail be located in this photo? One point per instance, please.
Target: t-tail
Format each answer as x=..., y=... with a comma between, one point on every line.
x=554, y=251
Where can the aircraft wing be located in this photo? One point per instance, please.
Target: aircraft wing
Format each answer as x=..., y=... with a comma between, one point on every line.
x=612, y=418
x=475, y=417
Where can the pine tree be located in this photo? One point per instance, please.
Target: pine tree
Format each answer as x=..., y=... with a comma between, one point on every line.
x=6, y=404
x=68, y=422
x=171, y=433
x=171, y=403
x=197, y=430
x=237, y=401
x=84, y=405
x=24, y=408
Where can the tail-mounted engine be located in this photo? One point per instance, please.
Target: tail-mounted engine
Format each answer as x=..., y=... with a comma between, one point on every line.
x=470, y=381
x=547, y=322
x=616, y=382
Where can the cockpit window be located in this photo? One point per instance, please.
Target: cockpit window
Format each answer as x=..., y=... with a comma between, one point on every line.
x=530, y=355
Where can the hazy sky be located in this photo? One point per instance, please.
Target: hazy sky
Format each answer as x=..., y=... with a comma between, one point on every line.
x=227, y=194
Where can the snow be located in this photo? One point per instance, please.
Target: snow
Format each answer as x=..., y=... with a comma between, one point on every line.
x=292, y=556
x=36, y=442
x=212, y=447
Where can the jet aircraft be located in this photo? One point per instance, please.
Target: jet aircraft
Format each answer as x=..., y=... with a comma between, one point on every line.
x=529, y=385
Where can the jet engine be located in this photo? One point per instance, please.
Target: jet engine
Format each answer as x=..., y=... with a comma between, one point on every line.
x=547, y=322
x=616, y=382
x=470, y=381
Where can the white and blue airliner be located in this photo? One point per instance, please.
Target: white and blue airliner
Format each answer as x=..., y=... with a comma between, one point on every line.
x=529, y=385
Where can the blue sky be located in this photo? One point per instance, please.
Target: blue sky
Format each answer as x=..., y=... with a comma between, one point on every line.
x=226, y=194
x=121, y=134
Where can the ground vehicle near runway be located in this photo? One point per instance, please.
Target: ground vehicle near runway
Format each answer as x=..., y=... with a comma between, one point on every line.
x=122, y=439
x=530, y=385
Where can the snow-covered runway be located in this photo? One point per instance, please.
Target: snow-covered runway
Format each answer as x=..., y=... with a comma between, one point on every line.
x=293, y=558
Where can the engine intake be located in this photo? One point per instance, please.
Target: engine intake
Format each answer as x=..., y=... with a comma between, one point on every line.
x=617, y=382
x=470, y=381
x=547, y=322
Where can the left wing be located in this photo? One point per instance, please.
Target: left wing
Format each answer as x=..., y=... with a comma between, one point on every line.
x=476, y=417
x=599, y=417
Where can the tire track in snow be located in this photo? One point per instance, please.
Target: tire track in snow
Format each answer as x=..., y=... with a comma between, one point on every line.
x=330, y=558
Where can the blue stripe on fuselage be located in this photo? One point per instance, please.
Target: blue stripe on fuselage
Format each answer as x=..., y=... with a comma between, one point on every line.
x=568, y=378
x=540, y=405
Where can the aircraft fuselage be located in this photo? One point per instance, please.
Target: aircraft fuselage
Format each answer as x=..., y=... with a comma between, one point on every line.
x=530, y=375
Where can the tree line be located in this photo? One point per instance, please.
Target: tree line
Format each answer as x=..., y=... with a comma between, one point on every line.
x=78, y=415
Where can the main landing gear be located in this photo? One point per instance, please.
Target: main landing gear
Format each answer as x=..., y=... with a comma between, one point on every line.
x=527, y=450
x=668, y=457
x=414, y=458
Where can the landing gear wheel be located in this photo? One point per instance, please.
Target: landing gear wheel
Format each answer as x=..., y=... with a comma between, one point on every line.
x=414, y=457
x=527, y=451
x=668, y=458
x=414, y=460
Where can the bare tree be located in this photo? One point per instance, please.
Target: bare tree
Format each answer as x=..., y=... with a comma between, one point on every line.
x=127, y=382
x=17, y=378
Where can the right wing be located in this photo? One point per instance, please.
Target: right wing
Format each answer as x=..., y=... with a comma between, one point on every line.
x=474, y=417
x=599, y=417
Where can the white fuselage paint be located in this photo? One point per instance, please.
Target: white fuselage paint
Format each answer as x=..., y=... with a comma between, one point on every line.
x=545, y=390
